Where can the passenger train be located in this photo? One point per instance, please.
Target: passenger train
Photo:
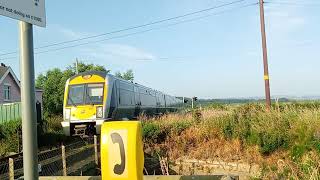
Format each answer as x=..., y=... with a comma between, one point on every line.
x=94, y=97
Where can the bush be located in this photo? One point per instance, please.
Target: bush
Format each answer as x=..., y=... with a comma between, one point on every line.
x=53, y=124
x=178, y=127
x=217, y=106
x=9, y=137
x=9, y=128
x=152, y=132
x=196, y=114
x=269, y=130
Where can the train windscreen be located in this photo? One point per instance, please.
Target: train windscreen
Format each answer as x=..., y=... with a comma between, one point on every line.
x=94, y=94
x=85, y=94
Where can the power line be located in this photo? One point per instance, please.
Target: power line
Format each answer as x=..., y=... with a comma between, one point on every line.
x=293, y=4
x=138, y=32
x=132, y=28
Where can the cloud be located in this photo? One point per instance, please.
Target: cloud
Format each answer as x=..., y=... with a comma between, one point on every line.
x=252, y=53
x=61, y=31
x=284, y=19
x=118, y=54
x=71, y=34
x=297, y=21
x=126, y=51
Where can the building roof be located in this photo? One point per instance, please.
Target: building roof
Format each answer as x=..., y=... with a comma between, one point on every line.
x=6, y=70
x=3, y=71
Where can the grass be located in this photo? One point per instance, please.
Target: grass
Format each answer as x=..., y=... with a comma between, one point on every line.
x=284, y=141
x=288, y=133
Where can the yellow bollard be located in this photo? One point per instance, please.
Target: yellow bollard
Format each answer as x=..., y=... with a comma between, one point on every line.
x=122, y=155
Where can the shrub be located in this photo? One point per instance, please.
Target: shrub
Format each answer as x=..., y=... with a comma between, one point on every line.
x=270, y=142
x=151, y=132
x=255, y=126
x=218, y=106
x=9, y=137
x=178, y=127
x=196, y=114
x=53, y=124
x=9, y=128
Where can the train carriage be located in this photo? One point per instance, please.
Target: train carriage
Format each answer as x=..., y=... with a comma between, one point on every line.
x=94, y=97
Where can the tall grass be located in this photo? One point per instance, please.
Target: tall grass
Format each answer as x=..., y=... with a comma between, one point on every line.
x=288, y=133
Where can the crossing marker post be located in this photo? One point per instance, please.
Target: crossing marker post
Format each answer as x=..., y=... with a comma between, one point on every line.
x=122, y=155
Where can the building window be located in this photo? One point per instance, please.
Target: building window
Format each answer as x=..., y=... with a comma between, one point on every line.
x=7, y=92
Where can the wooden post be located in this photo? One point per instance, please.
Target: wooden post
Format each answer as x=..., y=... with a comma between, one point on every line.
x=265, y=55
x=11, y=169
x=180, y=168
x=64, y=163
x=96, y=158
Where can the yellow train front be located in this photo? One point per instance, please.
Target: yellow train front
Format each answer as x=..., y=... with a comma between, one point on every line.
x=94, y=97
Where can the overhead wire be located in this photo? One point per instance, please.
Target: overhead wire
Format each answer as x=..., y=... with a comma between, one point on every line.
x=133, y=27
x=293, y=3
x=139, y=32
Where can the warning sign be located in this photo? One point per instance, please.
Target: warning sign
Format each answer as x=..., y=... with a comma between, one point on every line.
x=31, y=11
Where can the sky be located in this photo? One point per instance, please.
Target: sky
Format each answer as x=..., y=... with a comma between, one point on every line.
x=214, y=54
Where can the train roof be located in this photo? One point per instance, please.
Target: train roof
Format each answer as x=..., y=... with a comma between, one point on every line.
x=105, y=74
x=101, y=73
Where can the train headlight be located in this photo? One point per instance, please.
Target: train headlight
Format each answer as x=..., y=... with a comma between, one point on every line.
x=67, y=114
x=99, y=112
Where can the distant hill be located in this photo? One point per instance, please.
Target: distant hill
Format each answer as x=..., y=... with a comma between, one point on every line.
x=258, y=99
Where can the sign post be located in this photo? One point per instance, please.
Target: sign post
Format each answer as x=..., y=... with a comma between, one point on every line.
x=28, y=104
x=28, y=12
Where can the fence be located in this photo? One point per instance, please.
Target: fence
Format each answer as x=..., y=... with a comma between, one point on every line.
x=73, y=160
x=10, y=112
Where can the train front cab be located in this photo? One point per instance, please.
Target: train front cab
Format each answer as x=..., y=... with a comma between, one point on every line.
x=84, y=104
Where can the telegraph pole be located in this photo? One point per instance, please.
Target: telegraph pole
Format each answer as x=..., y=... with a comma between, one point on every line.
x=265, y=55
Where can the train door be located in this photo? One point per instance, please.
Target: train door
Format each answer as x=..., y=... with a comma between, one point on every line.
x=113, y=102
x=137, y=102
x=115, y=114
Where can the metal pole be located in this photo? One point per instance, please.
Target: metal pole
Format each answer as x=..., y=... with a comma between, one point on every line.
x=183, y=102
x=29, y=119
x=77, y=63
x=192, y=103
x=265, y=56
x=96, y=158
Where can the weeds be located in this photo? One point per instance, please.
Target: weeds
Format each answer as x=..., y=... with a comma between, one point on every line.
x=288, y=132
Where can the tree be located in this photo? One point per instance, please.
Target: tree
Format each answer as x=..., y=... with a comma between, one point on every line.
x=82, y=67
x=128, y=75
x=53, y=85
